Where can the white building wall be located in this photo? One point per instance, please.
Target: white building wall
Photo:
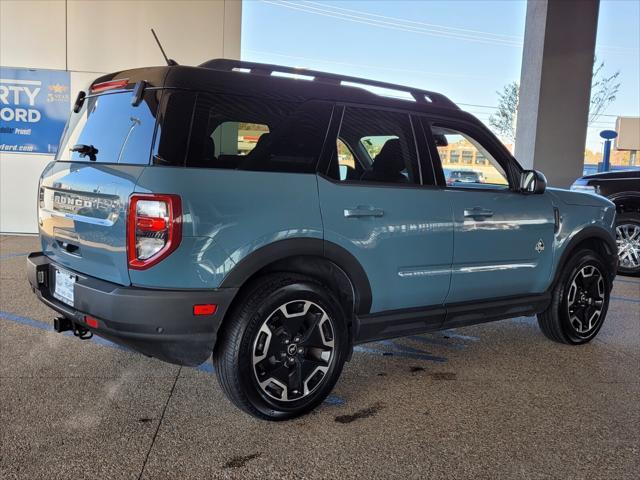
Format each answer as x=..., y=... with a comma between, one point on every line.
x=89, y=38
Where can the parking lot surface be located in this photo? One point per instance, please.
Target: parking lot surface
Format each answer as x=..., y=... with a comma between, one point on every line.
x=492, y=401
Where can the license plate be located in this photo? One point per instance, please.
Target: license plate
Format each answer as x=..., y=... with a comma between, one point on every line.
x=64, y=285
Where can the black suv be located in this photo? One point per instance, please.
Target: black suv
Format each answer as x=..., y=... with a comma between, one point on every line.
x=622, y=187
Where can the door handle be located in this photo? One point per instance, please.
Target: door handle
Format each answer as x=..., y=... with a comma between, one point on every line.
x=477, y=212
x=363, y=212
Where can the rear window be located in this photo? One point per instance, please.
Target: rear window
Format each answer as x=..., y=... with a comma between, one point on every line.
x=108, y=129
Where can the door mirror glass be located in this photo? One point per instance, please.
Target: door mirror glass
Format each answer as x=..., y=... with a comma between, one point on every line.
x=533, y=181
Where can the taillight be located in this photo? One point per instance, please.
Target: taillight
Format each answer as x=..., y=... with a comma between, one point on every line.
x=154, y=228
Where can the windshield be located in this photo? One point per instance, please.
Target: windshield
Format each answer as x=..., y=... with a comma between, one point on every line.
x=108, y=129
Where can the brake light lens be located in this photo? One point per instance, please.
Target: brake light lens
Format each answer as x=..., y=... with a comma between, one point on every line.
x=154, y=228
x=111, y=85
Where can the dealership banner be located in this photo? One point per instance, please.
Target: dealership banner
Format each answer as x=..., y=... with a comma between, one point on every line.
x=34, y=106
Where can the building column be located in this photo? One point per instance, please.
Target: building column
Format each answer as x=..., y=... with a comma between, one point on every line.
x=555, y=87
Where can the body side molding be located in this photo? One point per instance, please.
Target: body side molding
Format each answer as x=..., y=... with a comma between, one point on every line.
x=401, y=323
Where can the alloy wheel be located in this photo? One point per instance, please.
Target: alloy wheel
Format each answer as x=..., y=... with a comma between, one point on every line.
x=628, y=240
x=586, y=300
x=293, y=350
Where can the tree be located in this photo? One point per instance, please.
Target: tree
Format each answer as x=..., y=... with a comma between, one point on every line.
x=504, y=120
x=604, y=90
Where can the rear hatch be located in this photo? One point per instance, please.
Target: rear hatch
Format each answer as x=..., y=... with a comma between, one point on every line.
x=84, y=194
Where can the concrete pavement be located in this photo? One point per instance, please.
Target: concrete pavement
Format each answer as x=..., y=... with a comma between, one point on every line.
x=491, y=401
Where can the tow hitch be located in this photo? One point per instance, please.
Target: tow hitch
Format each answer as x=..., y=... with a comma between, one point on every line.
x=63, y=324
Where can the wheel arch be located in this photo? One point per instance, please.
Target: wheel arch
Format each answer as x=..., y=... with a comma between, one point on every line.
x=324, y=261
x=594, y=238
x=626, y=202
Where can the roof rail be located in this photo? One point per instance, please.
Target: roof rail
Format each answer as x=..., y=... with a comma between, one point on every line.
x=420, y=96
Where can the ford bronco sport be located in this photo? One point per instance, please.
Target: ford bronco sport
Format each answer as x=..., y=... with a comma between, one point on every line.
x=273, y=218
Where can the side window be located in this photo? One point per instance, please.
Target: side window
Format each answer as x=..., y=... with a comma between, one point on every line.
x=375, y=146
x=237, y=138
x=249, y=133
x=465, y=162
x=349, y=167
x=174, y=124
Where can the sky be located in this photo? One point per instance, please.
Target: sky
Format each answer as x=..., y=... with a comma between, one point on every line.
x=467, y=50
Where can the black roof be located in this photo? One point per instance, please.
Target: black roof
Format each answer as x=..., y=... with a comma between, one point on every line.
x=274, y=81
x=264, y=69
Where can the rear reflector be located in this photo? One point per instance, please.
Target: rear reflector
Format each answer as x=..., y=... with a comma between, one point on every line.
x=92, y=322
x=206, y=309
x=112, y=85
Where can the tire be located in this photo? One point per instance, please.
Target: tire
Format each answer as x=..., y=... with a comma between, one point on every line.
x=571, y=316
x=283, y=347
x=628, y=240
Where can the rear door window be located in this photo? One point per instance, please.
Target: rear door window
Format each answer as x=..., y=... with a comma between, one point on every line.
x=375, y=146
x=108, y=129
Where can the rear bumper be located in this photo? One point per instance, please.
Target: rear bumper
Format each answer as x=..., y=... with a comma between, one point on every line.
x=158, y=323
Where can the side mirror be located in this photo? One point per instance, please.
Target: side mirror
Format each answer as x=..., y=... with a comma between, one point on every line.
x=533, y=181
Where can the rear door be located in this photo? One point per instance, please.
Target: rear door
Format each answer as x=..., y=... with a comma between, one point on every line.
x=84, y=194
x=378, y=204
x=503, y=238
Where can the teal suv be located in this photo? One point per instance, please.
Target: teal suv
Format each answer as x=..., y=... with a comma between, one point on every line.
x=273, y=218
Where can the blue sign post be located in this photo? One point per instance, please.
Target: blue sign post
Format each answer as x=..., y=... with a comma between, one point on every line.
x=608, y=135
x=34, y=107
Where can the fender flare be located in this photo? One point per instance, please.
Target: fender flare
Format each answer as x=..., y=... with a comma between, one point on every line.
x=590, y=232
x=296, y=247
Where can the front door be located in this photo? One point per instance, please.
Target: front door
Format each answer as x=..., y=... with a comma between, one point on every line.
x=503, y=239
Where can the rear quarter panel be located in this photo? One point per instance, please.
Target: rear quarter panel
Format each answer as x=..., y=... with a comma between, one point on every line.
x=227, y=215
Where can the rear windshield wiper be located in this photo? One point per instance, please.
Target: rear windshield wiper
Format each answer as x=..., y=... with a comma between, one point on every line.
x=85, y=150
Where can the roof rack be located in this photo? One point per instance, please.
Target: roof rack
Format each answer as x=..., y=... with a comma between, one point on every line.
x=420, y=96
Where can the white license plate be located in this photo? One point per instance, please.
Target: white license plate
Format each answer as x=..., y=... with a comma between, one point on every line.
x=64, y=285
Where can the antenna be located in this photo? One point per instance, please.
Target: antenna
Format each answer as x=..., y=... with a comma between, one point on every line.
x=169, y=61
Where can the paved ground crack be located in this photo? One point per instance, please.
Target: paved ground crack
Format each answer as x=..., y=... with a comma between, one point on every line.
x=155, y=435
